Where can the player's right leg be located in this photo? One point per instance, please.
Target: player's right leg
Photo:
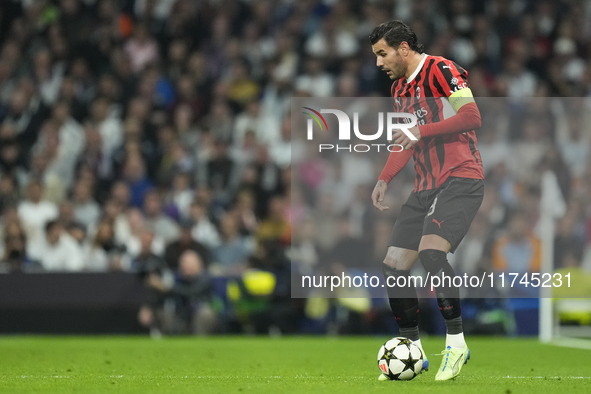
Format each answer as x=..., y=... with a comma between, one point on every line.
x=403, y=299
x=400, y=257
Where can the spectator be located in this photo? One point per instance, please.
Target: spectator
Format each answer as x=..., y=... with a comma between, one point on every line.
x=242, y=88
x=156, y=276
x=305, y=251
x=14, y=242
x=108, y=125
x=220, y=172
x=176, y=160
x=86, y=210
x=181, y=195
x=141, y=49
x=520, y=81
x=36, y=212
x=121, y=195
x=47, y=75
x=568, y=243
x=93, y=157
x=315, y=81
x=245, y=211
x=203, y=229
x=264, y=125
x=57, y=251
x=231, y=255
x=162, y=226
x=11, y=157
x=518, y=251
x=137, y=229
x=9, y=194
x=192, y=294
x=78, y=233
x=183, y=119
x=135, y=178
x=331, y=42
x=99, y=254
x=185, y=242
x=275, y=227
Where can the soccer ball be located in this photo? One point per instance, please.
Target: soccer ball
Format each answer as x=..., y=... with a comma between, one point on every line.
x=400, y=359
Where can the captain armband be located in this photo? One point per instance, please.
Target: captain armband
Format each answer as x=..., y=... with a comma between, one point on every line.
x=460, y=98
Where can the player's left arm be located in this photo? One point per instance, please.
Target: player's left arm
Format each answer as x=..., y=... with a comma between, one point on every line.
x=452, y=81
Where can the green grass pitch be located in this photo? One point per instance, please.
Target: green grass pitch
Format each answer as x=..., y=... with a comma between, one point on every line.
x=64, y=365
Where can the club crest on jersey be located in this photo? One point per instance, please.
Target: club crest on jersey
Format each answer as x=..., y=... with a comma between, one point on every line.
x=418, y=91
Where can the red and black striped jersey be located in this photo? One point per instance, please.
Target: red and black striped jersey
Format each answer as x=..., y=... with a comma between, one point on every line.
x=438, y=157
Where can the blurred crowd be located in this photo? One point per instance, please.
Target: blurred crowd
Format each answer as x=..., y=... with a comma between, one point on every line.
x=154, y=136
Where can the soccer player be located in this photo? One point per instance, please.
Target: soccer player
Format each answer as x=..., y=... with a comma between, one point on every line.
x=449, y=185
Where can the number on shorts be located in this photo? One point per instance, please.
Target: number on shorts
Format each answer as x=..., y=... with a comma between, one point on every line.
x=432, y=208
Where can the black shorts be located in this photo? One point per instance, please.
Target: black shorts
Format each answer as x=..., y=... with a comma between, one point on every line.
x=446, y=211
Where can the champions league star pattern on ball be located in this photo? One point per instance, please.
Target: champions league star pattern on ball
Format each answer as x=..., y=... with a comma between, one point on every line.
x=400, y=359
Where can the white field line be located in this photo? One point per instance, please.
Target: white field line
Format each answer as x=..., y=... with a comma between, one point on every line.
x=577, y=343
x=547, y=377
x=279, y=377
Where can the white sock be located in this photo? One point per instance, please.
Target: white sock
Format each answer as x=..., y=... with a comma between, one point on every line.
x=455, y=340
x=418, y=343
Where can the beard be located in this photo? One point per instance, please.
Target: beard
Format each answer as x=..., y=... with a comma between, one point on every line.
x=396, y=74
x=398, y=70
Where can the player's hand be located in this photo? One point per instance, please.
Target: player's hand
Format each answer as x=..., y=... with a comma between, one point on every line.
x=398, y=137
x=377, y=196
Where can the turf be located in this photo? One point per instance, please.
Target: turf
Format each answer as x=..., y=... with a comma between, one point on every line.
x=263, y=365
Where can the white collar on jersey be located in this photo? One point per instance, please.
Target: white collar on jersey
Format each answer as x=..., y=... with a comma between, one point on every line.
x=414, y=74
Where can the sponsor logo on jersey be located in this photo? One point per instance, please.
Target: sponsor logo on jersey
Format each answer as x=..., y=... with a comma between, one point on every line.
x=459, y=86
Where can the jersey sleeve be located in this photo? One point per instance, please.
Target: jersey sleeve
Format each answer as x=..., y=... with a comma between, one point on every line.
x=451, y=77
x=396, y=162
x=453, y=83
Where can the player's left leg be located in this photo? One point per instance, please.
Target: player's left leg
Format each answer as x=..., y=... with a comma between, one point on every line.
x=433, y=254
x=450, y=215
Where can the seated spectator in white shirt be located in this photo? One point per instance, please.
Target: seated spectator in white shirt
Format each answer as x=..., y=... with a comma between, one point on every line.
x=331, y=41
x=86, y=211
x=163, y=226
x=57, y=251
x=280, y=151
x=137, y=226
x=34, y=213
x=204, y=230
x=315, y=81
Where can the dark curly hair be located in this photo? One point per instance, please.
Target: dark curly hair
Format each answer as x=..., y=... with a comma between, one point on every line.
x=395, y=32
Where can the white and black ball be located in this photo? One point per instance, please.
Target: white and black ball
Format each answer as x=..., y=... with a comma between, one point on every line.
x=400, y=359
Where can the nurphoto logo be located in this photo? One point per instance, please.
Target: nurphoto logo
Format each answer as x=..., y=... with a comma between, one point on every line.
x=344, y=129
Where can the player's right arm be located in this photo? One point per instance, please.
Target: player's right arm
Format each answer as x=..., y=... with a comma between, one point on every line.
x=377, y=196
